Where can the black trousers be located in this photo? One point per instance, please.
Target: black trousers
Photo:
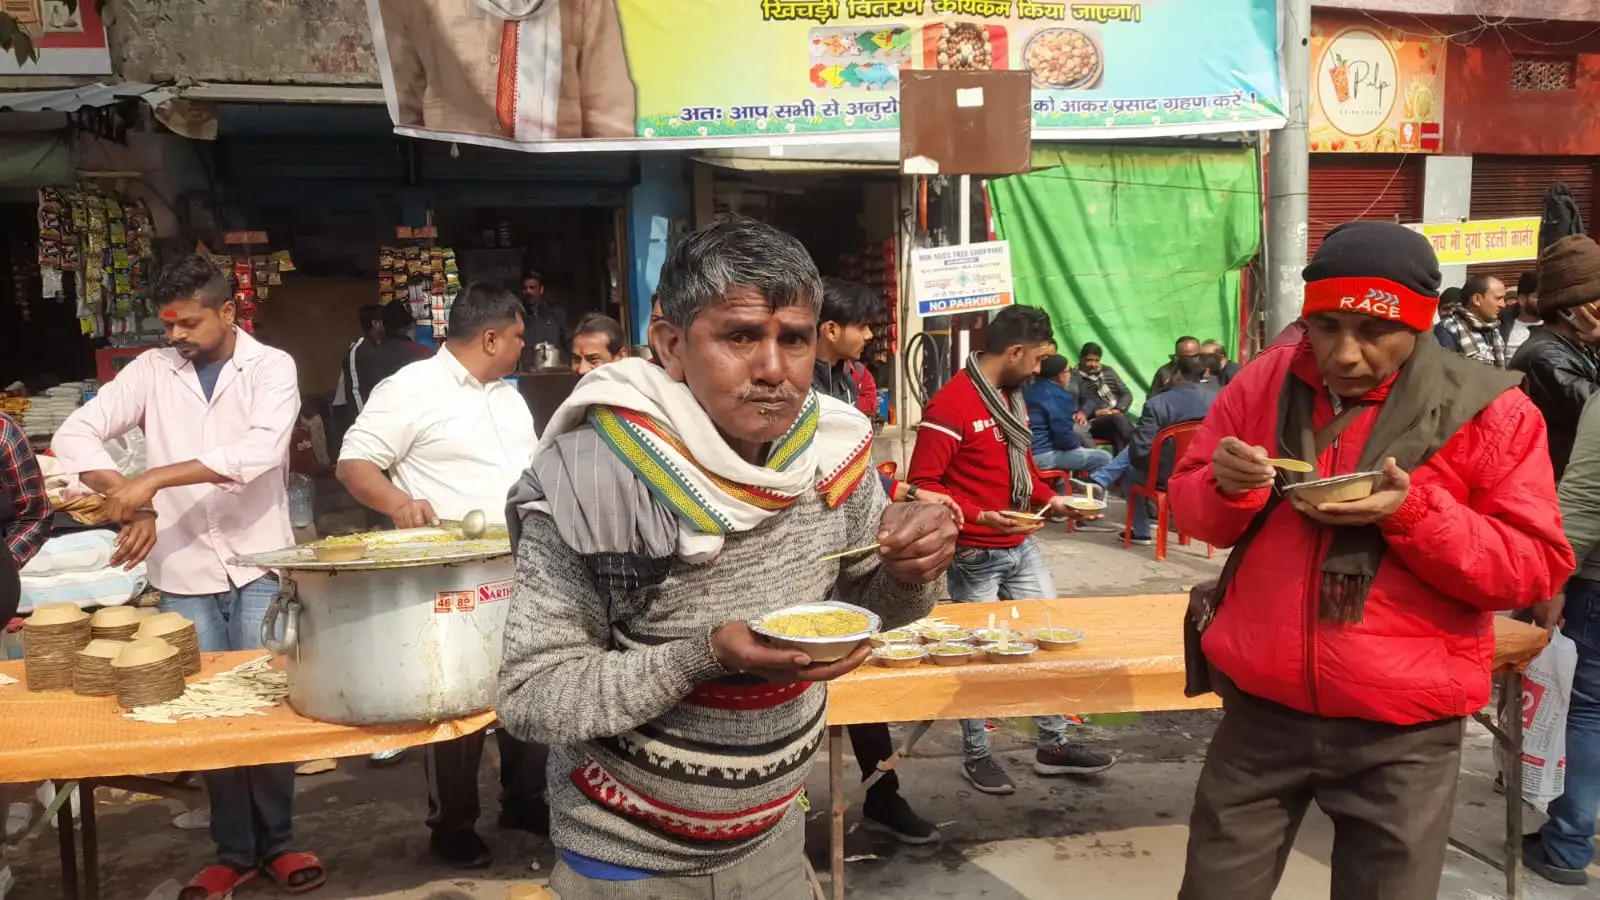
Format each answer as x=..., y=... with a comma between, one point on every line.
x=872, y=745
x=452, y=772
x=1389, y=789
x=1115, y=430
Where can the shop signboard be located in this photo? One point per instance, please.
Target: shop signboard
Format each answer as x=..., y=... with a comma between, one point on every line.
x=1374, y=89
x=961, y=278
x=540, y=74
x=1483, y=240
x=69, y=41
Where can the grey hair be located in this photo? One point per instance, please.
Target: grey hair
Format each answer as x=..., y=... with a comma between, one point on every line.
x=736, y=251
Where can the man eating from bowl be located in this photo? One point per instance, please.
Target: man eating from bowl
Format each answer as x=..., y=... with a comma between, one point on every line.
x=663, y=506
x=1356, y=636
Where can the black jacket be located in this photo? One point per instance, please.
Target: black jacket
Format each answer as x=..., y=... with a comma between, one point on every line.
x=1559, y=375
x=1086, y=389
x=1180, y=403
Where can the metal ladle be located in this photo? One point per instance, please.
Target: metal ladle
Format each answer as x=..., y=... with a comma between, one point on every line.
x=474, y=524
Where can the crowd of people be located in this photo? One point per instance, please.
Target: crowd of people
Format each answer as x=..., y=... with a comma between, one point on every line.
x=662, y=746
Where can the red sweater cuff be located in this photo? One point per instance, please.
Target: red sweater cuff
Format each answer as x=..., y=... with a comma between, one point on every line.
x=1414, y=509
x=1249, y=501
x=969, y=510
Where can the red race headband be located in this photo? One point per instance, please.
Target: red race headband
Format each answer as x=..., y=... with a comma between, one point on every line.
x=1376, y=297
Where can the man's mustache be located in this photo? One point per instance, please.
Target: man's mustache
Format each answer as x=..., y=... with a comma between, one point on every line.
x=769, y=395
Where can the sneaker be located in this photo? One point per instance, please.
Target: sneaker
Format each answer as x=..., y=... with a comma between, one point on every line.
x=193, y=820
x=385, y=758
x=1139, y=541
x=19, y=816
x=1537, y=860
x=533, y=818
x=987, y=776
x=1071, y=759
x=893, y=816
x=460, y=850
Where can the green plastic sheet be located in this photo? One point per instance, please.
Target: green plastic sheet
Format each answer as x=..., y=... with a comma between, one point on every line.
x=1132, y=247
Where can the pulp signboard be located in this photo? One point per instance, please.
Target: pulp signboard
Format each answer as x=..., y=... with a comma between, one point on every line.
x=963, y=278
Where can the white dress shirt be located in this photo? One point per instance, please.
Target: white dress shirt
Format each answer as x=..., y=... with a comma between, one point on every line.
x=446, y=437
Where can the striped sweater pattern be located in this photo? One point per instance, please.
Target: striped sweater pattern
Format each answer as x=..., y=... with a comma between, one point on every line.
x=661, y=760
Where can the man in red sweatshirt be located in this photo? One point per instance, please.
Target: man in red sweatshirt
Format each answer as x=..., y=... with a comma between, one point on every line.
x=974, y=446
x=1354, y=637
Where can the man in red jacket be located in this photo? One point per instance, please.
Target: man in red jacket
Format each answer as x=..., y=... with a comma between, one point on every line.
x=1355, y=636
x=974, y=446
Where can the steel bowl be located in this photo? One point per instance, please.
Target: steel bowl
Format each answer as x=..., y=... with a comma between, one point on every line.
x=1056, y=638
x=951, y=659
x=1012, y=652
x=912, y=655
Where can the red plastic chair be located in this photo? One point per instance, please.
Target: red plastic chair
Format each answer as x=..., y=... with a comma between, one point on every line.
x=1179, y=436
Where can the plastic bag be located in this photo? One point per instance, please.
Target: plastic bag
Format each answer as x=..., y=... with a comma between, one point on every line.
x=302, y=500
x=1546, y=697
x=128, y=452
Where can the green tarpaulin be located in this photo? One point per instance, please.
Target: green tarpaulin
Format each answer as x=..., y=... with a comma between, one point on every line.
x=1132, y=247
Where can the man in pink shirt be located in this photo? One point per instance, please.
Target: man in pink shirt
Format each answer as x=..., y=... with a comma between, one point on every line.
x=217, y=408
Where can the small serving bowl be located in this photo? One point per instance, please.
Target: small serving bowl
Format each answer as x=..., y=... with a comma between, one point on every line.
x=1338, y=489
x=821, y=649
x=1055, y=638
x=950, y=653
x=993, y=635
x=1086, y=504
x=892, y=636
x=953, y=634
x=901, y=656
x=1016, y=651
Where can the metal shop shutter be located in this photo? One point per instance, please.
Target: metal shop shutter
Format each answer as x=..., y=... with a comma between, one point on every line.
x=1506, y=186
x=1359, y=186
x=301, y=159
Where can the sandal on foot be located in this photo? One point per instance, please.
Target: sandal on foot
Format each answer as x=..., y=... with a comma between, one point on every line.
x=216, y=882
x=296, y=872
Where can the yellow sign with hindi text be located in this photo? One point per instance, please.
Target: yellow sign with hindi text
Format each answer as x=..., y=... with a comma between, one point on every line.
x=1483, y=241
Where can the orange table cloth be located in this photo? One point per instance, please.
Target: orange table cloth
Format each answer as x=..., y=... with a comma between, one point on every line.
x=61, y=735
x=1130, y=660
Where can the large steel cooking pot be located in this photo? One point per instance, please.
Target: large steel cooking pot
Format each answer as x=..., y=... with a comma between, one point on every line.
x=409, y=633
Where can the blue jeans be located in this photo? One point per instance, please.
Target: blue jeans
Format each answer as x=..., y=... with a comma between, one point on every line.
x=1111, y=472
x=1119, y=469
x=1083, y=459
x=251, y=806
x=981, y=575
x=1569, y=835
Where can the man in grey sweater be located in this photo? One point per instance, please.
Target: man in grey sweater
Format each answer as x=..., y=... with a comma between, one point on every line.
x=665, y=507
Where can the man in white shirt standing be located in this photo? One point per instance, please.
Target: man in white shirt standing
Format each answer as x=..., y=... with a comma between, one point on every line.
x=453, y=437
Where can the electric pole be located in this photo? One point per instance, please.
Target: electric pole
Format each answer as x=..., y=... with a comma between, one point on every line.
x=1288, y=174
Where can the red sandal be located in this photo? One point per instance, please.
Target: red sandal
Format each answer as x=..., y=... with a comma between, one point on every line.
x=216, y=882
x=285, y=868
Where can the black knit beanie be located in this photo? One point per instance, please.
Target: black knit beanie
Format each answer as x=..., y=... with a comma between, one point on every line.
x=1053, y=366
x=1375, y=268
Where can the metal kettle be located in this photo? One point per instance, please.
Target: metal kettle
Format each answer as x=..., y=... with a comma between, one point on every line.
x=546, y=356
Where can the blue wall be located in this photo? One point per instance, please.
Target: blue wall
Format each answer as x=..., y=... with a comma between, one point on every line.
x=662, y=194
